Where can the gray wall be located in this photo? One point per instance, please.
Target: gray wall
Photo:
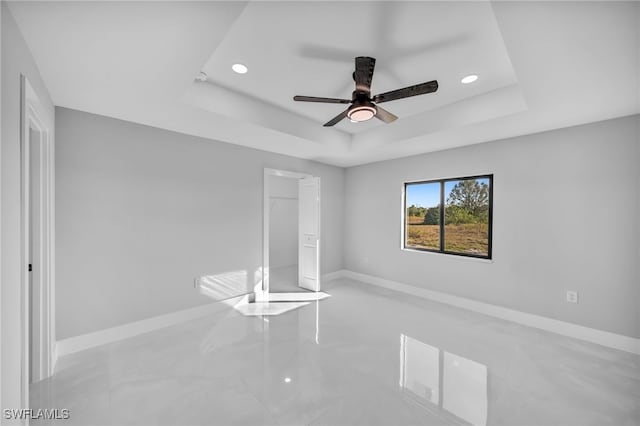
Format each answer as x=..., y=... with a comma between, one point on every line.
x=142, y=211
x=16, y=60
x=565, y=217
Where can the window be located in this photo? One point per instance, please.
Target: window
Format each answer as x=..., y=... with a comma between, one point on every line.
x=451, y=216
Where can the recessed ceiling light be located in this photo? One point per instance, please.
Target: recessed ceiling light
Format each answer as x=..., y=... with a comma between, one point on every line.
x=240, y=68
x=469, y=79
x=287, y=379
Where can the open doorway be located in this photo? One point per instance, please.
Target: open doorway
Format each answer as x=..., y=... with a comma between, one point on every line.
x=37, y=326
x=291, y=261
x=283, y=234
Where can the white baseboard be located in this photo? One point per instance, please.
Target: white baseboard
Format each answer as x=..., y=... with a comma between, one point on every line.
x=109, y=335
x=604, y=338
x=102, y=337
x=334, y=275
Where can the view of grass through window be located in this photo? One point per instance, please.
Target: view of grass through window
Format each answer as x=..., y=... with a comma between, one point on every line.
x=462, y=204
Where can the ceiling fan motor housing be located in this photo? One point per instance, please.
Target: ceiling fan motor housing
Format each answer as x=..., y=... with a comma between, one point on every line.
x=361, y=96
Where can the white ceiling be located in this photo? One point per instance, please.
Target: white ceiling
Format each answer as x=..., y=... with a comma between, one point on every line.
x=542, y=65
x=411, y=42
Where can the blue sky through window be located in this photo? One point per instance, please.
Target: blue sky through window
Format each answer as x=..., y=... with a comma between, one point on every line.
x=428, y=194
x=423, y=194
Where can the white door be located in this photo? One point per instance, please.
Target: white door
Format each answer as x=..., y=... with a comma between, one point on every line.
x=309, y=233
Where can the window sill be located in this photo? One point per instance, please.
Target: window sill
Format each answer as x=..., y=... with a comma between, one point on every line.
x=449, y=256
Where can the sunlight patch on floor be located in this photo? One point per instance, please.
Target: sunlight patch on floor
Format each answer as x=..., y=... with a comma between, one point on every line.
x=267, y=308
x=297, y=297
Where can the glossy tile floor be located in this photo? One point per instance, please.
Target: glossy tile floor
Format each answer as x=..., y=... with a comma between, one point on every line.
x=364, y=356
x=284, y=279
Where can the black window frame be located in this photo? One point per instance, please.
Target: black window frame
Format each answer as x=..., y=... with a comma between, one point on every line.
x=442, y=250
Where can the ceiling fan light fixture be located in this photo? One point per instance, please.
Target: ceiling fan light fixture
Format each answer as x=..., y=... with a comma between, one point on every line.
x=361, y=113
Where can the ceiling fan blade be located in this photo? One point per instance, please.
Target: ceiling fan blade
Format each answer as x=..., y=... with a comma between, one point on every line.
x=407, y=92
x=364, y=73
x=335, y=120
x=322, y=100
x=384, y=115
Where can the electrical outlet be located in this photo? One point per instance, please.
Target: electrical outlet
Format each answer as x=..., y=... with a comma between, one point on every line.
x=572, y=296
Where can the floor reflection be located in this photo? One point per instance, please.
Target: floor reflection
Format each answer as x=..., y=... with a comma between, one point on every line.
x=447, y=383
x=337, y=364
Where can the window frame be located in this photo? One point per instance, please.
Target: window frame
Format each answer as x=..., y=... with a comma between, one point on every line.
x=441, y=250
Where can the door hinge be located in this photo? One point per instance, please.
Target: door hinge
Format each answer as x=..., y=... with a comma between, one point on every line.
x=30, y=267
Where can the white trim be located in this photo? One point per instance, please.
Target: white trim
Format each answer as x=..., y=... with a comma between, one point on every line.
x=125, y=331
x=331, y=276
x=449, y=256
x=604, y=338
x=42, y=356
x=286, y=174
x=24, y=248
x=260, y=295
x=600, y=337
x=2, y=404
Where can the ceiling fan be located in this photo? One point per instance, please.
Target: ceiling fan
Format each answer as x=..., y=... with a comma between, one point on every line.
x=364, y=107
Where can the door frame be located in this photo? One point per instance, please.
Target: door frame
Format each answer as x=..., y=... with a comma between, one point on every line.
x=30, y=118
x=265, y=223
